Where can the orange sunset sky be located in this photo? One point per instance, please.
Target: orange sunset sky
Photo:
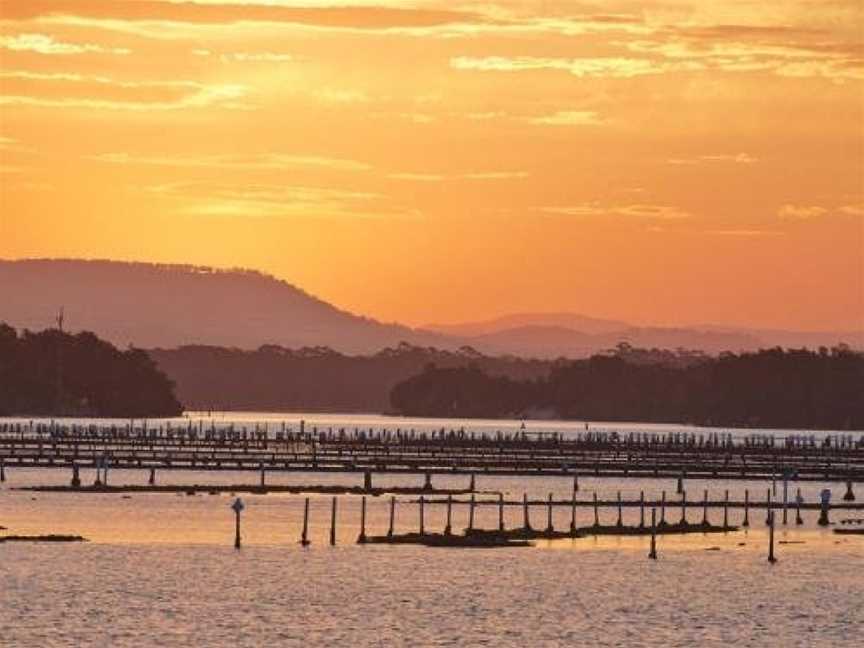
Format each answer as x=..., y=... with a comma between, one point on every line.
x=674, y=162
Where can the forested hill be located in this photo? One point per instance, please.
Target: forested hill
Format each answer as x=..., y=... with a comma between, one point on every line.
x=771, y=388
x=56, y=374
x=317, y=378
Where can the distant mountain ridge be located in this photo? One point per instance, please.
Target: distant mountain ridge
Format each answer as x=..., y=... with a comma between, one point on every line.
x=166, y=306
x=152, y=305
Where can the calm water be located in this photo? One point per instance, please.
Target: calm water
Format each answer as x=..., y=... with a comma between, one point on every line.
x=160, y=570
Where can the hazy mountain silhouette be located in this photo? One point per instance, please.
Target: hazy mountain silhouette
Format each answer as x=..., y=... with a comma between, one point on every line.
x=151, y=305
x=167, y=306
x=569, y=321
x=573, y=335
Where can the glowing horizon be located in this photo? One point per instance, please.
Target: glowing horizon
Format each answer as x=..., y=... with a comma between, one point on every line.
x=430, y=162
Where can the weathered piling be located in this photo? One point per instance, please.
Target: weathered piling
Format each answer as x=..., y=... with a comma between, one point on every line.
x=237, y=507
x=392, y=517
x=768, y=508
x=641, y=509
x=333, y=522
x=526, y=519
x=683, y=508
x=427, y=483
x=771, y=558
x=726, y=509
x=575, y=483
x=620, y=522
x=361, y=539
x=596, y=510
x=472, y=485
x=652, y=554
x=550, y=529
x=663, y=509
x=824, y=499
x=573, y=516
x=746, y=522
x=850, y=495
x=448, y=528
x=501, y=511
x=680, y=485
x=2, y=471
x=152, y=480
x=76, y=476
x=471, y=504
x=705, y=508
x=304, y=535
x=422, y=513
x=798, y=499
x=367, y=480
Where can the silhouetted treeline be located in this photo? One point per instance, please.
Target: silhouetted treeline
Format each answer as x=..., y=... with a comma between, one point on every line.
x=53, y=373
x=771, y=388
x=273, y=378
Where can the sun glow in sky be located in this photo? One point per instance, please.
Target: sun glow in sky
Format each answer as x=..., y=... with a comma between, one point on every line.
x=428, y=161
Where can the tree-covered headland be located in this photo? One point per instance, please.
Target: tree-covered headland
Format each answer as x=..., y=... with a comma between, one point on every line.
x=52, y=373
x=773, y=388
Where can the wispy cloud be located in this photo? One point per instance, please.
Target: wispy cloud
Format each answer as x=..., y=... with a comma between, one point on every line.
x=45, y=44
x=801, y=212
x=271, y=161
x=637, y=211
x=743, y=233
x=280, y=201
x=569, y=118
x=737, y=158
x=242, y=57
x=473, y=175
x=616, y=67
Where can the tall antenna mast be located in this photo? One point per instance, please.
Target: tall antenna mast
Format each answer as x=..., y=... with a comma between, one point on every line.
x=59, y=395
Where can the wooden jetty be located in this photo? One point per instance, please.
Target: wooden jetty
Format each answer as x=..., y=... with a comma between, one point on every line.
x=838, y=458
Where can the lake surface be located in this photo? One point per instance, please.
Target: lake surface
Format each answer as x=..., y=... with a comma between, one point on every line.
x=160, y=568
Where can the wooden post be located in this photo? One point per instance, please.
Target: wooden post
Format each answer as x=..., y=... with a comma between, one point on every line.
x=575, y=483
x=333, y=523
x=472, y=484
x=526, y=519
x=652, y=554
x=76, y=477
x=746, y=522
x=367, y=480
x=771, y=558
x=263, y=473
x=448, y=529
x=152, y=480
x=680, y=485
x=663, y=509
x=573, y=516
x=683, y=508
x=550, y=529
x=501, y=512
x=427, y=484
x=849, y=496
x=798, y=519
x=2, y=470
x=596, y=511
x=361, y=539
x=726, y=509
x=392, y=517
x=620, y=522
x=768, y=517
x=304, y=536
x=471, y=513
x=237, y=506
x=641, y=509
x=422, y=515
x=705, y=509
